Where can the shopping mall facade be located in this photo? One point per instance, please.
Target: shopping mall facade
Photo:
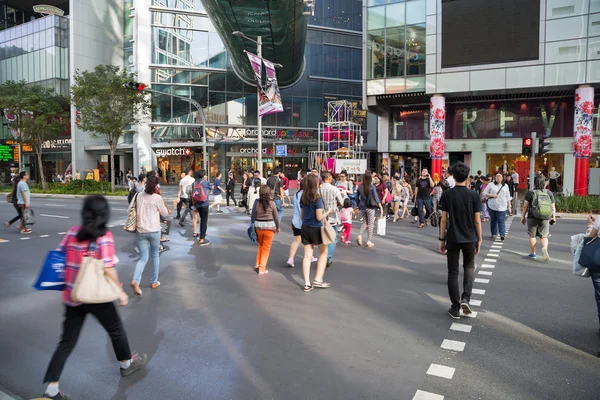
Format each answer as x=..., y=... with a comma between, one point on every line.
x=468, y=80
x=173, y=46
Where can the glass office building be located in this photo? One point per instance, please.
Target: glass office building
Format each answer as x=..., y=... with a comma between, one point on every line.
x=190, y=60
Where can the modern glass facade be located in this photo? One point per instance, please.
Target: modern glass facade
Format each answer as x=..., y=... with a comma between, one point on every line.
x=190, y=60
x=396, y=40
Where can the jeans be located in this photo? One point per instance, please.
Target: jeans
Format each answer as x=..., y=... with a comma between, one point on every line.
x=279, y=205
x=468, y=251
x=188, y=209
x=596, y=281
x=352, y=198
x=203, y=215
x=107, y=315
x=331, y=247
x=497, y=222
x=420, y=204
x=265, y=240
x=148, y=244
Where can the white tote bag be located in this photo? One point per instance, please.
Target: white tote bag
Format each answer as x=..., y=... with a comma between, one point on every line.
x=381, y=226
x=92, y=286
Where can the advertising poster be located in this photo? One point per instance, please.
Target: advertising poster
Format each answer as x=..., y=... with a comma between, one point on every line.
x=273, y=104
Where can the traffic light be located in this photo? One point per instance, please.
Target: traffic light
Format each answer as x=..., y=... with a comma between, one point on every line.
x=542, y=144
x=527, y=148
x=134, y=86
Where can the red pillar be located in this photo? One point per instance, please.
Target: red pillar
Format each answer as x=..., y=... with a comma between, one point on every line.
x=582, y=137
x=581, y=176
x=437, y=133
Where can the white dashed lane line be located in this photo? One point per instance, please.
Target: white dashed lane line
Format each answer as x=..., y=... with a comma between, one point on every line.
x=478, y=291
x=441, y=370
x=488, y=266
x=475, y=302
x=423, y=395
x=479, y=280
x=461, y=327
x=54, y=216
x=485, y=273
x=453, y=345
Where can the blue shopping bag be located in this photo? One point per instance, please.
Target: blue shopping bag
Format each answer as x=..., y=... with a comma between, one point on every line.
x=52, y=274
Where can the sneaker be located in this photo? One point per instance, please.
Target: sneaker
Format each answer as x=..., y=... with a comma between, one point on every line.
x=454, y=312
x=290, y=263
x=532, y=256
x=466, y=308
x=314, y=259
x=161, y=248
x=348, y=242
x=155, y=285
x=546, y=256
x=6, y=225
x=307, y=288
x=502, y=237
x=181, y=224
x=256, y=268
x=26, y=231
x=204, y=242
x=137, y=362
x=266, y=271
x=220, y=211
x=59, y=396
x=136, y=288
x=321, y=285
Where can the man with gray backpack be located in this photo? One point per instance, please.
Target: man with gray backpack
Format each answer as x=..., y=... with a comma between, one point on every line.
x=540, y=212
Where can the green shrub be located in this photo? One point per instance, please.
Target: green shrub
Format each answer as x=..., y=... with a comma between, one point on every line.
x=74, y=187
x=578, y=204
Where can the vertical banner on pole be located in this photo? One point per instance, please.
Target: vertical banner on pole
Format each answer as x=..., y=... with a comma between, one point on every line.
x=582, y=137
x=437, y=133
x=274, y=104
x=256, y=63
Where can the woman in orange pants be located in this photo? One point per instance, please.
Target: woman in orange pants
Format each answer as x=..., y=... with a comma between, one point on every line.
x=266, y=222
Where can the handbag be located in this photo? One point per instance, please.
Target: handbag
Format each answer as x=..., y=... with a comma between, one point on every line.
x=590, y=253
x=28, y=216
x=328, y=234
x=388, y=198
x=252, y=228
x=414, y=212
x=576, y=248
x=52, y=273
x=92, y=286
x=381, y=226
x=131, y=224
x=9, y=198
x=165, y=227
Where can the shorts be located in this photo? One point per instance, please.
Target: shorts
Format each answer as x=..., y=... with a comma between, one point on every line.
x=286, y=192
x=311, y=235
x=538, y=227
x=218, y=198
x=296, y=231
x=397, y=199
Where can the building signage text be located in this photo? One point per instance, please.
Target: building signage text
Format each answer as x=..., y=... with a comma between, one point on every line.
x=173, y=151
x=48, y=10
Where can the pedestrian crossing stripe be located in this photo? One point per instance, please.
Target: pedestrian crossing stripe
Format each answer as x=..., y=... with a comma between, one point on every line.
x=3, y=240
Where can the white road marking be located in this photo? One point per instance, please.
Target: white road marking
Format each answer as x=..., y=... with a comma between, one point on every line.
x=62, y=233
x=25, y=238
x=487, y=266
x=494, y=251
x=497, y=246
x=475, y=302
x=54, y=216
x=461, y=327
x=4, y=241
x=55, y=205
x=119, y=209
x=493, y=255
x=489, y=260
x=485, y=273
x=478, y=291
x=422, y=395
x=44, y=236
x=453, y=345
x=472, y=315
x=479, y=280
x=441, y=370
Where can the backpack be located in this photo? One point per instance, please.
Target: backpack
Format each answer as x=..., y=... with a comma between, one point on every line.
x=541, y=206
x=198, y=193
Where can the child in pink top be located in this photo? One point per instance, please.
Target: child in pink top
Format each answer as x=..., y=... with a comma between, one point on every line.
x=346, y=218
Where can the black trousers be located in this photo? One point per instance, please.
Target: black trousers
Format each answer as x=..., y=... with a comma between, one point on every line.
x=179, y=205
x=185, y=212
x=203, y=215
x=468, y=252
x=230, y=195
x=19, y=215
x=107, y=315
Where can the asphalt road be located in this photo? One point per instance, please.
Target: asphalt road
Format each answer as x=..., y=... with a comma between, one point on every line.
x=215, y=330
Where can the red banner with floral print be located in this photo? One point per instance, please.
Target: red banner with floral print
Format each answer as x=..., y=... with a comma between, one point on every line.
x=584, y=116
x=437, y=127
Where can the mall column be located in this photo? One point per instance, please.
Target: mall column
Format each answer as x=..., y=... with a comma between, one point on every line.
x=582, y=138
x=437, y=133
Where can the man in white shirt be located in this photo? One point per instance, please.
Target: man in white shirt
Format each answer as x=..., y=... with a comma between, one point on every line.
x=183, y=196
x=449, y=178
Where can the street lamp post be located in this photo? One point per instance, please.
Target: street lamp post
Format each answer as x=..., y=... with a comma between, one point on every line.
x=258, y=41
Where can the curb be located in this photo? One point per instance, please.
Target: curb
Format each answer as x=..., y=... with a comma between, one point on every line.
x=577, y=217
x=7, y=395
x=72, y=196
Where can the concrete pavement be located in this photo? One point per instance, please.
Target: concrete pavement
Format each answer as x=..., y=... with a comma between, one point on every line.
x=215, y=329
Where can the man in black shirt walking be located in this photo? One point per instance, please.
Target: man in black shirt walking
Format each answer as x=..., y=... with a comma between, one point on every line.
x=423, y=195
x=461, y=208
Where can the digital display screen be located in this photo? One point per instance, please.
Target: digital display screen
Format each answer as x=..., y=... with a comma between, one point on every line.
x=476, y=32
x=6, y=153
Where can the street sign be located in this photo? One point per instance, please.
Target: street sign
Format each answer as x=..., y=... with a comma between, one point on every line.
x=281, y=150
x=6, y=153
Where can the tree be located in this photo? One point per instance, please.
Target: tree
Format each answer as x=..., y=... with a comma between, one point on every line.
x=39, y=115
x=107, y=108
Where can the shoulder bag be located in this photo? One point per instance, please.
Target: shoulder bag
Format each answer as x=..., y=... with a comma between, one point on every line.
x=131, y=224
x=590, y=254
x=92, y=286
x=371, y=202
x=328, y=234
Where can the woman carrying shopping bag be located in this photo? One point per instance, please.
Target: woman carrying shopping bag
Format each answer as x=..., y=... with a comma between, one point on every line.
x=266, y=223
x=150, y=207
x=367, y=201
x=77, y=245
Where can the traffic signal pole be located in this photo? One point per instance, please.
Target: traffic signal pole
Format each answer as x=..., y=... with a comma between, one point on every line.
x=532, y=160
